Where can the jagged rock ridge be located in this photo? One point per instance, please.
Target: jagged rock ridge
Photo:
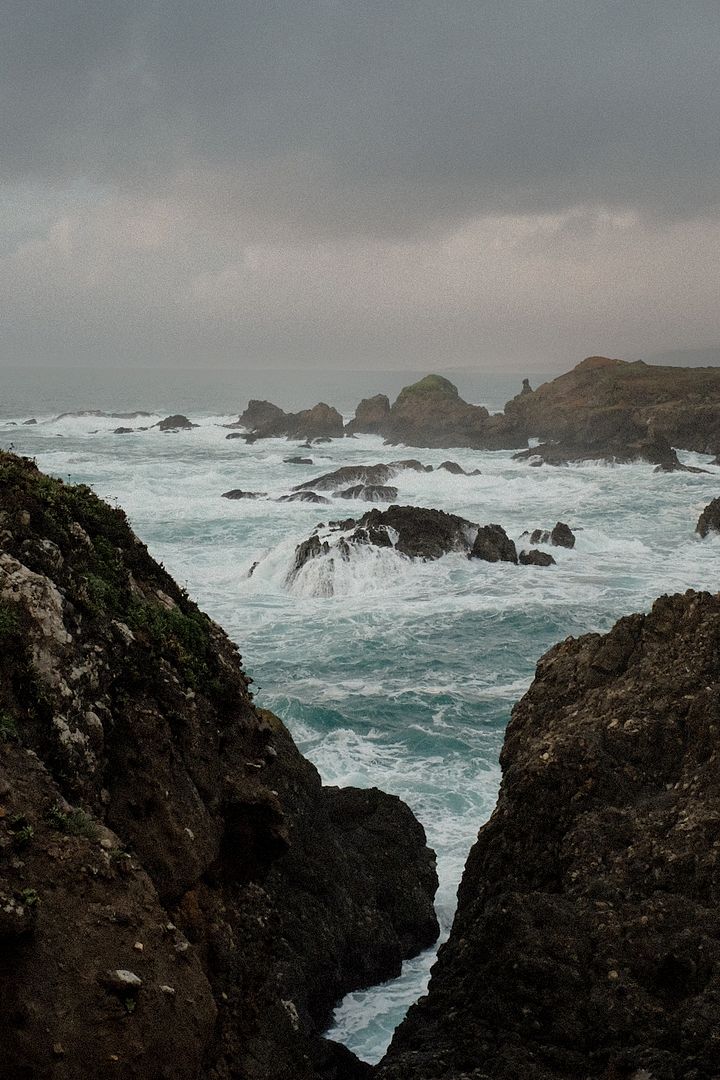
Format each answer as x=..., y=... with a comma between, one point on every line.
x=587, y=936
x=179, y=895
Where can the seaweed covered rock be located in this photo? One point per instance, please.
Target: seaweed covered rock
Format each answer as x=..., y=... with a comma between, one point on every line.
x=587, y=936
x=180, y=896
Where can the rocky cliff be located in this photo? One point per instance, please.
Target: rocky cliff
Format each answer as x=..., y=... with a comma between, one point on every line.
x=587, y=937
x=603, y=408
x=179, y=895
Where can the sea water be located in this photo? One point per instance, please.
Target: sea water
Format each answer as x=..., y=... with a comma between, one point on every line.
x=405, y=676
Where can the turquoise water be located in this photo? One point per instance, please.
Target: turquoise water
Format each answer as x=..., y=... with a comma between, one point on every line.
x=404, y=678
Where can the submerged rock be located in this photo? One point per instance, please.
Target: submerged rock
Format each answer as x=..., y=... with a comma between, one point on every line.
x=238, y=493
x=709, y=520
x=369, y=493
x=457, y=470
x=587, y=936
x=298, y=460
x=350, y=474
x=304, y=496
x=536, y=558
x=160, y=827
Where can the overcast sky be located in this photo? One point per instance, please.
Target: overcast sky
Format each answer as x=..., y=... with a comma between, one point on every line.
x=398, y=183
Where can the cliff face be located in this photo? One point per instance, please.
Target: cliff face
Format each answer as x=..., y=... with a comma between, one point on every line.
x=587, y=936
x=603, y=408
x=631, y=401
x=179, y=895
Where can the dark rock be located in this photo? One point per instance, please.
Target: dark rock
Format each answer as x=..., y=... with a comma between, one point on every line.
x=156, y=805
x=432, y=413
x=236, y=435
x=587, y=936
x=264, y=420
x=457, y=470
x=411, y=463
x=526, y=387
x=369, y=493
x=122, y=431
x=709, y=520
x=370, y=416
x=175, y=423
x=422, y=533
x=238, y=493
x=312, y=548
x=349, y=474
x=298, y=460
x=492, y=544
x=304, y=496
x=562, y=535
x=32, y=421
x=536, y=558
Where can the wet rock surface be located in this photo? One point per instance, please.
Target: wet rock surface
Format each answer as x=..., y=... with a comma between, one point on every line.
x=587, y=937
x=561, y=535
x=175, y=423
x=535, y=558
x=492, y=544
x=238, y=493
x=179, y=895
x=709, y=520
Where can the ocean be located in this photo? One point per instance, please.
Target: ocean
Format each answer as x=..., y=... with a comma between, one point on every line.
x=403, y=678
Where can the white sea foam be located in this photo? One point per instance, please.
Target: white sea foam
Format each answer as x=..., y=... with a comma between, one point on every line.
x=405, y=676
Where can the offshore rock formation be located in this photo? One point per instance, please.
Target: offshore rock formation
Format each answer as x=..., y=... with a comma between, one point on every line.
x=179, y=895
x=709, y=520
x=371, y=416
x=587, y=937
x=415, y=532
x=262, y=420
x=603, y=409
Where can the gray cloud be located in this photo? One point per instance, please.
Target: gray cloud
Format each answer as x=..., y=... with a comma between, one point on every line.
x=313, y=179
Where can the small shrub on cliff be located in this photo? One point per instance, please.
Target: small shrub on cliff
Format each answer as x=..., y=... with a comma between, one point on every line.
x=185, y=637
x=9, y=622
x=8, y=728
x=73, y=823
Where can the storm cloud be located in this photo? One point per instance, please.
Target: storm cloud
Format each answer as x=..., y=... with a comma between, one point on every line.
x=344, y=182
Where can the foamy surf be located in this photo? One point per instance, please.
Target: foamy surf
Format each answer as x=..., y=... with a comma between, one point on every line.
x=402, y=674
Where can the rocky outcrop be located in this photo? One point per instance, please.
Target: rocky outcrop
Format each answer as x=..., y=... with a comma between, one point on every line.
x=432, y=413
x=177, y=422
x=262, y=420
x=349, y=474
x=492, y=544
x=297, y=460
x=304, y=496
x=370, y=417
x=179, y=895
x=369, y=493
x=238, y=493
x=536, y=558
x=624, y=410
x=587, y=936
x=709, y=520
x=561, y=535
x=457, y=470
